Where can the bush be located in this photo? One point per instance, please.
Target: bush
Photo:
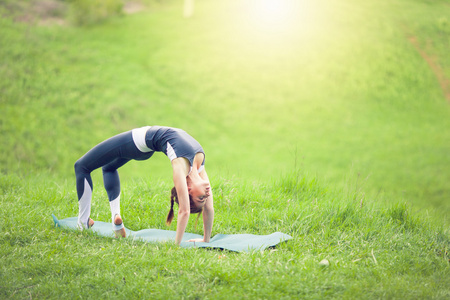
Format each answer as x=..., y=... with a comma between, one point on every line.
x=87, y=12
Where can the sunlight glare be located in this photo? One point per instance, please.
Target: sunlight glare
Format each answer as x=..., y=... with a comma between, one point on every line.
x=272, y=11
x=277, y=15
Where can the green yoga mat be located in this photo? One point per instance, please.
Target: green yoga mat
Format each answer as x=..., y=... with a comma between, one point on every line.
x=232, y=242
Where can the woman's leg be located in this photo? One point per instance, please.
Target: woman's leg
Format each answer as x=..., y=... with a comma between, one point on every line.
x=102, y=154
x=110, y=154
x=111, y=182
x=84, y=191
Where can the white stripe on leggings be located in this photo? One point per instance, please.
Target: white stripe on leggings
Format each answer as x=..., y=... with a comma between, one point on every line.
x=84, y=206
x=115, y=210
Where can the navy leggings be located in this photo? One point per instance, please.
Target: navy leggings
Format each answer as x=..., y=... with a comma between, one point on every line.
x=110, y=155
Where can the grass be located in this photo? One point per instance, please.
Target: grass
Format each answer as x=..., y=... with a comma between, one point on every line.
x=335, y=95
x=374, y=252
x=352, y=94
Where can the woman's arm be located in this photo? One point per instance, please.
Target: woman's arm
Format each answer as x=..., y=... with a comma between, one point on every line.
x=208, y=212
x=208, y=218
x=179, y=180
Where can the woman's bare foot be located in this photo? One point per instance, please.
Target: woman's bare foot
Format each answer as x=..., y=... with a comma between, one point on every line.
x=91, y=222
x=120, y=232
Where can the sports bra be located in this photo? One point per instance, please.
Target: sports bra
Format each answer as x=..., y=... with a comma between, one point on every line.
x=173, y=142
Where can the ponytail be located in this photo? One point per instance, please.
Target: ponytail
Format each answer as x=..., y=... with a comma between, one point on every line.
x=173, y=198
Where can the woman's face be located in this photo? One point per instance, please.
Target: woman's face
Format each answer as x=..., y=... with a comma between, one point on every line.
x=199, y=192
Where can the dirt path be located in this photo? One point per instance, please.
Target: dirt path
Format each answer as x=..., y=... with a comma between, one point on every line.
x=444, y=82
x=51, y=12
x=131, y=7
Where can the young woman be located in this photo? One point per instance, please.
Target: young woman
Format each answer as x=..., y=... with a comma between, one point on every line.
x=192, y=189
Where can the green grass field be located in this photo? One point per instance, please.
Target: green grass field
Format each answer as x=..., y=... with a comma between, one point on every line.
x=329, y=124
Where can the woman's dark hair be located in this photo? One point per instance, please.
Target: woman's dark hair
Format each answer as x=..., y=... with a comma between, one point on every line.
x=174, y=198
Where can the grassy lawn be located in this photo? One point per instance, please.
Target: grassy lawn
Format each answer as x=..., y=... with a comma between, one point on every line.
x=373, y=251
x=329, y=124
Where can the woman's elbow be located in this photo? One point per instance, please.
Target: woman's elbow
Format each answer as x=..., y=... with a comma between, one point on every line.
x=183, y=213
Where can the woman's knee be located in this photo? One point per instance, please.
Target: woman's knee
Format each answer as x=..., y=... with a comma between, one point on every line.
x=80, y=167
x=109, y=168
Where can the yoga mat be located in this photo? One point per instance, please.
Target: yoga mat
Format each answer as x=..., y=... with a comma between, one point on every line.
x=232, y=242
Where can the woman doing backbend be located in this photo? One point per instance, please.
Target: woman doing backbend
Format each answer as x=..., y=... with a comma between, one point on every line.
x=192, y=189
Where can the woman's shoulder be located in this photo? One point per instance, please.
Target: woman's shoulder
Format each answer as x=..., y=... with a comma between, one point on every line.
x=181, y=165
